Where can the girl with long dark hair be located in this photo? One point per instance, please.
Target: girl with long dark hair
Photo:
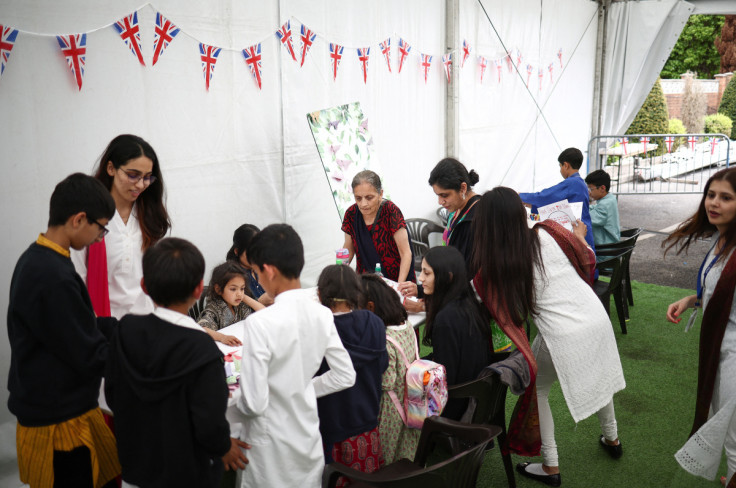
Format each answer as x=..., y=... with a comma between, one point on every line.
x=716, y=281
x=543, y=273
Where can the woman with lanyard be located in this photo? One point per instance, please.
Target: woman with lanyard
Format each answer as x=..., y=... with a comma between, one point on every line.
x=375, y=231
x=716, y=392
x=452, y=183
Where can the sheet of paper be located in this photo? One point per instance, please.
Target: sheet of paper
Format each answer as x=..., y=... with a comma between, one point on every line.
x=561, y=212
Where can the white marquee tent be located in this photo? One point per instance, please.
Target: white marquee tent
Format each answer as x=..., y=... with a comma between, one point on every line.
x=237, y=154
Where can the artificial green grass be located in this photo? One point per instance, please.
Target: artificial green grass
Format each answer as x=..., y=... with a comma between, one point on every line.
x=654, y=411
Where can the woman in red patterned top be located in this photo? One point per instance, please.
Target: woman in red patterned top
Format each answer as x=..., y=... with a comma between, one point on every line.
x=375, y=231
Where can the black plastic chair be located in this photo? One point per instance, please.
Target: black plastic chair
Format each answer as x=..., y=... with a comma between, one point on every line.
x=419, y=230
x=456, y=471
x=612, y=260
x=628, y=239
x=490, y=408
x=196, y=310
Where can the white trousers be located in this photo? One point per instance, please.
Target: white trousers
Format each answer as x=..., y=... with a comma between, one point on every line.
x=546, y=376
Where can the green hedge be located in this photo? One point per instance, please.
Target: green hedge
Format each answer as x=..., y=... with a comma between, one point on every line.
x=718, y=124
x=652, y=117
x=728, y=102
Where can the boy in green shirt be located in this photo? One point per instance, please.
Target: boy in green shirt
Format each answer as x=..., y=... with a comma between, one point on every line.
x=603, y=209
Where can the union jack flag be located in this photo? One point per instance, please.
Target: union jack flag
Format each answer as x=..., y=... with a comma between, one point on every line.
x=252, y=57
x=692, y=140
x=74, y=49
x=284, y=35
x=336, y=55
x=529, y=69
x=499, y=67
x=426, y=63
x=551, y=67
x=540, y=75
x=559, y=56
x=363, y=54
x=669, y=140
x=208, y=55
x=625, y=144
x=509, y=63
x=404, y=50
x=644, y=141
x=466, y=52
x=447, y=62
x=386, y=51
x=129, y=32
x=308, y=38
x=163, y=34
x=7, y=41
x=713, y=143
x=482, y=64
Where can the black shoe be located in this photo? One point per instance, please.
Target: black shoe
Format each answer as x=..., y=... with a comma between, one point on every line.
x=614, y=451
x=547, y=479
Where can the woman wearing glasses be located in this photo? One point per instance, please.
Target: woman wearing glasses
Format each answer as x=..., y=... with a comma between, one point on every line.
x=112, y=268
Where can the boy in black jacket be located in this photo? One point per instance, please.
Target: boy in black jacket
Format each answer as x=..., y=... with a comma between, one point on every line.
x=58, y=348
x=165, y=381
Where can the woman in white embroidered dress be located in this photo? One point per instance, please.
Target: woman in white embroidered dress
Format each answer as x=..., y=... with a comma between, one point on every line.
x=542, y=273
x=129, y=168
x=711, y=435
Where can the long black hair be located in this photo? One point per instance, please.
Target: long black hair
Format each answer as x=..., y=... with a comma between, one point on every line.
x=451, y=283
x=152, y=214
x=506, y=252
x=386, y=302
x=339, y=283
x=241, y=238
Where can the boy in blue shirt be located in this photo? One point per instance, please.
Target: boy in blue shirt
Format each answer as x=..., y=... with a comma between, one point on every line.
x=572, y=189
x=604, y=210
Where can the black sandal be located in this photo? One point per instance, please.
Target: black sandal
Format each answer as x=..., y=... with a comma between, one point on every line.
x=547, y=479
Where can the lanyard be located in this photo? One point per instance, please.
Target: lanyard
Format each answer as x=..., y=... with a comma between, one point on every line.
x=453, y=220
x=699, y=287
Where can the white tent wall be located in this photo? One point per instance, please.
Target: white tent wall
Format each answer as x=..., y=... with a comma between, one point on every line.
x=502, y=134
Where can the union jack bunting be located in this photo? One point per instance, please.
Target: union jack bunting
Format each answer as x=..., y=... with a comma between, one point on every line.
x=308, y=38
x=74, y=49
x=130, y=33
x=644, y=141
x=466, y=52
x=692, y=140
x=482, y=64
x=426, y=63
x=499, y=66
x=509, y=63
x=363, y=54
x=528, y=74
x=163, y=34
x=386, y=51
x=404, y=50
x=669, y=141
x=336, y=55
x=713, y=143
x=551, y=67
x=540, y=75
x=625, y=144
x=284, y=35
x=252, y=57
x=559, y=56
x=7, y=41
x=447, y=62
x=208, y=55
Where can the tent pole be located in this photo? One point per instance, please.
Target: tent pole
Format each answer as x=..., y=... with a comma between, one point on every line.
x=600, y=59
x=452, y=90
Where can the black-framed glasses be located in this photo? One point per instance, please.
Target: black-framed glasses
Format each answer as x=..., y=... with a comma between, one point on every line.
x=103, y=230
x=134, y=177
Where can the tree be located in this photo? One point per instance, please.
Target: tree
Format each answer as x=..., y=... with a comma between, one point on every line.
x=728, y=102
x=694, y=105
x=652, y=117
x=695, y=50
x=726, y=45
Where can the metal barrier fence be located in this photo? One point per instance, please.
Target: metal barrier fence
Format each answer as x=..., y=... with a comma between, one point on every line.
x=659, y=163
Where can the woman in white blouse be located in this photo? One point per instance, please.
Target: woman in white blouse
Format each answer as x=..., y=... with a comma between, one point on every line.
x=112, y=268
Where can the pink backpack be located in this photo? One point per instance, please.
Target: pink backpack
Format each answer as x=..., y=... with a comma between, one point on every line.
x=425, y=393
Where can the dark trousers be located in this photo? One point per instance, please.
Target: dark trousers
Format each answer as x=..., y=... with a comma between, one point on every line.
x=73, y=469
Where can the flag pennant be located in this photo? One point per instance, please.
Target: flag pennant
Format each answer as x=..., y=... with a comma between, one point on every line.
x=551, y=67
x=308, y=38
x=529, y=69
x=509, y=63
x=129, y=32
x=252, y=57
x=540, y=75
x=404, y=50
x=336, y=55
x=644, y=141
x=713, y=144
x=518, y=58
x=363, y=55
x=208, y=55
x=163, y=34
x=426, y=63
x=559, y=56
x=669, y=140
x=74, y=49
x=8, y=35
x=284, y=35
x=692, y=140
x=386, y=51
x=447, y=62
x=625, y=144
x=499, y=66
x=482, y=64
x=466, y=52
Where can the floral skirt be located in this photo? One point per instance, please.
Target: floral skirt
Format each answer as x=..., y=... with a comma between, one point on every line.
x=361, y=452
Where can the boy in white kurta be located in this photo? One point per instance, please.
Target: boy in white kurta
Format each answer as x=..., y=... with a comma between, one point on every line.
x=283, y=347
